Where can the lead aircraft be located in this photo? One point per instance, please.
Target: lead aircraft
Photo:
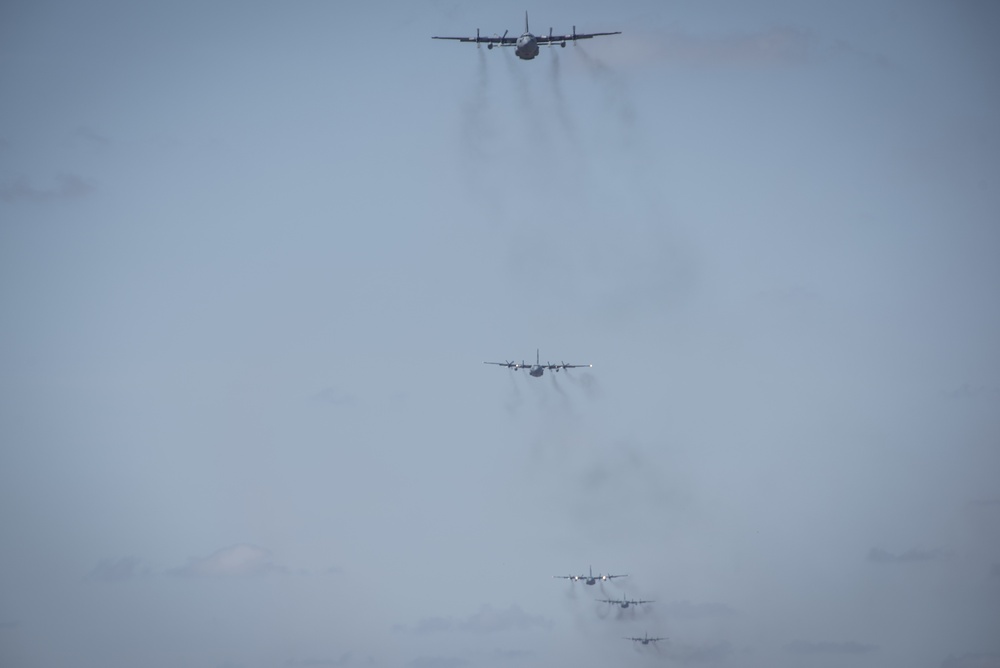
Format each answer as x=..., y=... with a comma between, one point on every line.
x=537, y=369
x=526, y=46
x=589, y=577
x=645, y=639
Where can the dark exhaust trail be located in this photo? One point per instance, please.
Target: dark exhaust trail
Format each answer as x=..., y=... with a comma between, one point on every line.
x=555, y=384
x=622, y=614
x=513, y=403
x=587, y=382
x=562, y=109
x=616, y=95
x=572, y=590
x=475, y=128
x=525, y=103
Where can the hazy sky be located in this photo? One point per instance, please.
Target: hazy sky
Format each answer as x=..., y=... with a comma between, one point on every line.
x=253, y=255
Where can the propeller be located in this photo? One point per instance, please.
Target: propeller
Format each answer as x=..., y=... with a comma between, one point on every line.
x=477, y=38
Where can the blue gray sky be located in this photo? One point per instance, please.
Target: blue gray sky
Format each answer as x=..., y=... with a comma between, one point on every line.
x=253, y=255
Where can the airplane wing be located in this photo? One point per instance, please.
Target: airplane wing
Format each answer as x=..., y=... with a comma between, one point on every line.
x=499, y=41
x=552, y=39
x=570, y=577
x=509, y=365
x=608, y=577
x=638, y=602
x=606, y=600
x=568, y=366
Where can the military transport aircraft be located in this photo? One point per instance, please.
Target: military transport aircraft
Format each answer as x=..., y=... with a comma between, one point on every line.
x=645, y=639
x=623, y=602
x=589, y=578
x=526, y=46
x=537, y=369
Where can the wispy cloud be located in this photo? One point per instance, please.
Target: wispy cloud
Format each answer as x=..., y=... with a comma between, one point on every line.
x=689, y=610
x=486, y=620
x=512, y=654
x=772, y=45
x=345, y=659
x=117, y=570
x=778, y=45
x=91, y=137
x=879, y=556
x=828, y=647
x=335, y=397
x=969, y=391
x=699, y=653
x=989, y=660
x=433, y=625
x=236, y=561
x=67, y=187
x=439, y=662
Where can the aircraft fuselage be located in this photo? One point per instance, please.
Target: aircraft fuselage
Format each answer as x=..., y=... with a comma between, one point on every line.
x=537, y=371
x=526, y=48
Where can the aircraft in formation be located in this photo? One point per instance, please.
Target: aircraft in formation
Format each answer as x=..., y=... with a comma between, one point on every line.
x=624, y=602
x=526, y=46
x=589, y=578
x=537, y=369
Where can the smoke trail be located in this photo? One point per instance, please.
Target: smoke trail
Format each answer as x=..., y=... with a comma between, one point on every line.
x=617, y=98
x=513, y=403
x=587, y=382
x=624, y=613
x=525, y=103
x=475, y=128
x=555, y=384
x=562, y=109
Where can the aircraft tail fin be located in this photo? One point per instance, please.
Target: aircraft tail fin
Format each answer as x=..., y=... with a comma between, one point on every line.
x=537, y=361
x=526, y=21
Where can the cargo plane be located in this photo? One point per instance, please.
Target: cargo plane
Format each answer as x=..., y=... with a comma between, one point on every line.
x=526, y=46
x=589, y=577
x=537, y=369
x=623, y=602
